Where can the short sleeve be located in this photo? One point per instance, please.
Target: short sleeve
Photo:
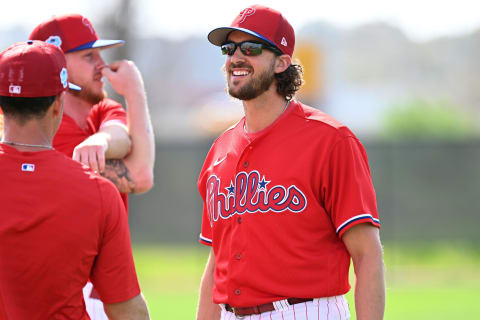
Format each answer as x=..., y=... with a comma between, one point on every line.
x=349, y=195
x=106, y=112
x=206, y=235
x=113, y=273
x=207, y=226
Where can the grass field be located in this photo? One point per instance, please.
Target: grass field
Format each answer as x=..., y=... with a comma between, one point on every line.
x=423, y=282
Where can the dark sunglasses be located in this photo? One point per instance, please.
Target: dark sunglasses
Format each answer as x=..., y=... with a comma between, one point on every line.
x=248, y=48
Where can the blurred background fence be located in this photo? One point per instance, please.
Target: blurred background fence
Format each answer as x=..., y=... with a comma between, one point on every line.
x=426, y=191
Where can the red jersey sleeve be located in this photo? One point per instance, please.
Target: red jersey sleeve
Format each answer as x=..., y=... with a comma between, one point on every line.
x=206, y=234
x=349, y=195
x=114, y=274
x=106, y=111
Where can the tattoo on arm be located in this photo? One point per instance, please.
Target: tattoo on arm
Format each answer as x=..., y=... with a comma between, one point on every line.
x=117, y=172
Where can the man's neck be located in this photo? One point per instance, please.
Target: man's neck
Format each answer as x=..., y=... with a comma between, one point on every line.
x=263, y=111
x=78, y=109
x=34, y=135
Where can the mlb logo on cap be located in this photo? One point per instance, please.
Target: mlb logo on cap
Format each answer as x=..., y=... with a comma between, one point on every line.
x=33, y=69
x=15, y=89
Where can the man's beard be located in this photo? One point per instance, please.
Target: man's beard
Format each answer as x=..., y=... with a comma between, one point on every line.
x=256, y=86
x=89, y=95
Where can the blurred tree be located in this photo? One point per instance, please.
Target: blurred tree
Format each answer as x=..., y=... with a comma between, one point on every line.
x=118, y=23
x=428, y=119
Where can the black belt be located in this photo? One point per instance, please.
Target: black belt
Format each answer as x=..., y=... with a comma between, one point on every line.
x=246, y=311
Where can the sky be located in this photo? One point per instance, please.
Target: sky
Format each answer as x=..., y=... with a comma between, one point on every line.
x=421, y=20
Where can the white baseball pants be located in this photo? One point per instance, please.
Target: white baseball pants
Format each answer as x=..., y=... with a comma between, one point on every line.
x=330, y=308
x=94, y=306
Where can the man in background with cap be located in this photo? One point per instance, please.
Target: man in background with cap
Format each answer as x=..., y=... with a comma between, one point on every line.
x=61, y=224
x=96, y=130
x=288, y=197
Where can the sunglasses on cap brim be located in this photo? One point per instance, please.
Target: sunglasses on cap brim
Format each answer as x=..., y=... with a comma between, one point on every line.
x=248, y=48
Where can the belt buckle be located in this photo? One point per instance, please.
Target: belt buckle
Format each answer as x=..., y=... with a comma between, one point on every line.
x=238, y=316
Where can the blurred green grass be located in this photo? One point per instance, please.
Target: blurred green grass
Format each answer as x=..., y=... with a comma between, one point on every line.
x=424, y=281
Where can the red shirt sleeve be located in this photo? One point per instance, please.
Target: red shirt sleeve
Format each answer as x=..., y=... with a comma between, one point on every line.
x=349, y=196
x=206, y=234
x=106, y=111
x=114, y=274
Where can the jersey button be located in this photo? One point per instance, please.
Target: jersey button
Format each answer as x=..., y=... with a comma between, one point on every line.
x=245, y=164
x=238, y=292
x=238, y=256
x=239, y=220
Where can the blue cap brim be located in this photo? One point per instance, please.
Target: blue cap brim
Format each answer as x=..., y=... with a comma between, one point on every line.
x=103, y=44
x=219, y=36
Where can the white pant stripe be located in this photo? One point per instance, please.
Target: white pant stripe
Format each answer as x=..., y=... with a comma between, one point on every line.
x=331, y=308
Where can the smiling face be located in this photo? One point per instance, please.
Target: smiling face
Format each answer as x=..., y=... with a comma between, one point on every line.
x=85, y=70
x=249, y=76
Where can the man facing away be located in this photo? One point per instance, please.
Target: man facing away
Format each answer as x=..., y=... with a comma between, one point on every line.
x=96, y=130
x=60, y=223
x=287, y=191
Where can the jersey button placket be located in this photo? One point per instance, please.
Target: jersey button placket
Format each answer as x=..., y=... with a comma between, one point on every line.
x=244, y=163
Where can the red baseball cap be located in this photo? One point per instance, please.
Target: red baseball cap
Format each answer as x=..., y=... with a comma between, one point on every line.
x=33, y=69
x=262, y=22
x=71, y=32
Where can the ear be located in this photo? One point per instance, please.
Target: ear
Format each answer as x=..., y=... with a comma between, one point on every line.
x=282, y=63
x=57, y=105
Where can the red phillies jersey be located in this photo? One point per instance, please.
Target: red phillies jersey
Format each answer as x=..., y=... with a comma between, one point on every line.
x=276, y=204
x=69, y=135
x=61, y=225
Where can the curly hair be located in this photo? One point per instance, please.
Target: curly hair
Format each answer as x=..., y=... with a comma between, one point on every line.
x=289, y=81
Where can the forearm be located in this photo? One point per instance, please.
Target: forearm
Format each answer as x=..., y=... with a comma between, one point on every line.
x=127, y=80
x=207, y=310
x=110, y=142
x=370, y=286
x=363, y=244
x=119, y=174
x=134, y=173
x=118, y=141
x=141, y=159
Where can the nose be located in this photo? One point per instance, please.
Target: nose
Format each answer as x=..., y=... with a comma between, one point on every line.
x=100, y=63
x=237, y=55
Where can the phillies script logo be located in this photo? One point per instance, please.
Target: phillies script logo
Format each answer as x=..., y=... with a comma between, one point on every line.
x=246, y=13
x=250, y=194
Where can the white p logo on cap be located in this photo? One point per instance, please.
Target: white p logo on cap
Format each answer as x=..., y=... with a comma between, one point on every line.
x=245, y=13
